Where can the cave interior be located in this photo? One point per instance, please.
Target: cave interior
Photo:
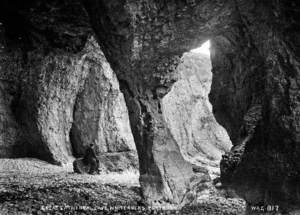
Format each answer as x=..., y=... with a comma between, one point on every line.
x=49, y=49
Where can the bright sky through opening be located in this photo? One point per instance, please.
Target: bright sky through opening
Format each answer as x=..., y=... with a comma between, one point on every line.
x=204, y=49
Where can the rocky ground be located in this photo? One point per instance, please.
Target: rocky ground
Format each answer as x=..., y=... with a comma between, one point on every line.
x=29, y=186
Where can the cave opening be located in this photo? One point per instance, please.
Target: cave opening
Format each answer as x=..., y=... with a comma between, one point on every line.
x=189, y=115
x=46, y=62
x=203, y=49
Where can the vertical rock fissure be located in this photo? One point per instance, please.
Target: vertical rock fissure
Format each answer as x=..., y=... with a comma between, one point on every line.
x=73, y=134
x=188, y=113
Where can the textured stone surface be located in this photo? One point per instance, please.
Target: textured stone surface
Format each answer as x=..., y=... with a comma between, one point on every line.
x=254, y=94
x=110, y=162
x=32, y=186
x=46, y=68
x=100, y=115
x=135, y=37
x=47, y=101
x=144, y=41
x=188, y=113
x=9, y=129
x=44, y=107
x=44, y=72
x=259, y=104
x=254, y=91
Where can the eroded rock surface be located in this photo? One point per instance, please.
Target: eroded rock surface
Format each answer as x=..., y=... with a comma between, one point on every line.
x=144, y=41
x=255, y=95
x=136, y=38
x=255, y=60
x=45, y=73
x=188, y=113
x=46, y=67
x=254, y=92
x=47, y=102
x=101, y=117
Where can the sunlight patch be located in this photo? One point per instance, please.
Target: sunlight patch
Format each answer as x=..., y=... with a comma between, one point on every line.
x=204, y=49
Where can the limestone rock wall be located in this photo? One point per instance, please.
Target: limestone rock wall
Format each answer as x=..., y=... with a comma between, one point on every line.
x=45, y=106
x=101, y=116
x=254, y=92
x=255, y=58
x=37, y=111
x=52, y=77
x=144, y=41
x=188, y=113
x=46, y=68
x=259, y=104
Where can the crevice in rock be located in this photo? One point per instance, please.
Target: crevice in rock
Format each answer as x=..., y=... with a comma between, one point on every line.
x=188, y=112
x=74, y=136
x=255, y=48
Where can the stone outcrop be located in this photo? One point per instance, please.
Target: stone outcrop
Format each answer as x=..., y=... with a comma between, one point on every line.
x=188, y=113
x=46, y=103
x=144, y=41
x=52, y=80
x=258, y=104
x=255, y=59
x=135, y=37
x=101, y=117
x=254, y=90
x=47, y=68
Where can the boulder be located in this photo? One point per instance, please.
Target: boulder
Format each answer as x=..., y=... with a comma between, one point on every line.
x=80, y=167
x=110, y=162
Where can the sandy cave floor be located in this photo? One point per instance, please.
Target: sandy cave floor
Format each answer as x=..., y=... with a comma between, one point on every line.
x=31, y=186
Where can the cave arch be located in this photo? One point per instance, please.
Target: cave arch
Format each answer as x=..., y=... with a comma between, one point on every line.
x=139, y=50
x=255, y=89
x=147, y=39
